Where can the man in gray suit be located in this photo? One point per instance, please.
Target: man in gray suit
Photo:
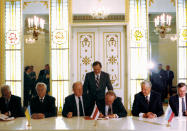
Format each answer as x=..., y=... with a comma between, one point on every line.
x=96, y=82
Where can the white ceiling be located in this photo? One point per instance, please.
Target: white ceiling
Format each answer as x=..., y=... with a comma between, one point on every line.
x=84, y=6
x=162, y=6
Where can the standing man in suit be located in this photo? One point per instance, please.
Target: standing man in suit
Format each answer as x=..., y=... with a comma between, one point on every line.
x=178, y=103
x=170, y=76
x=10, y=104
x=158, y=80
x=96, y=82
x=27, y=86
x=33, y=78
x=42, y=106
x=77, y=104
x=147, y=103
x=44, y=76
x=112, y=107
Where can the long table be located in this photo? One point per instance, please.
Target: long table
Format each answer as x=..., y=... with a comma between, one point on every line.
x=80, y=124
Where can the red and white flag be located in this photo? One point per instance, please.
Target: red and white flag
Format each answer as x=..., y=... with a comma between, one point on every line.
x=169, y=114
x=95, y=113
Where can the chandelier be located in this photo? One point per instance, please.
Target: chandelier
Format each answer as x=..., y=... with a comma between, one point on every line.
x=162, y=25
x=35, y=26
x=100, y=12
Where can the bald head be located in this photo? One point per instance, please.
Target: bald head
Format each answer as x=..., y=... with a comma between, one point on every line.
x=77, y=88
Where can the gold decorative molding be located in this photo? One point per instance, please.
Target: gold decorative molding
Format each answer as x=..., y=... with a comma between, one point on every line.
x=112, y=50
x=70, y=11
x=2, y=42
x=173, y=2
x=88, y=18
x=85, y=53
x=45, y=3
x=151, y=2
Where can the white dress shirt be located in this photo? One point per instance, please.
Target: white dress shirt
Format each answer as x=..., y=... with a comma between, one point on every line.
x=106, y=109
x=98, y=75
x=77, y=103
x=180, y=105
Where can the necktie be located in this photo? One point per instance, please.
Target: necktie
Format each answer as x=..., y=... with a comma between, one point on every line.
x=7, y=104
x=110, y=110
x=41, y=100
x=183, y=106
x=97, y=81
x=146, y=99
x=80, y=107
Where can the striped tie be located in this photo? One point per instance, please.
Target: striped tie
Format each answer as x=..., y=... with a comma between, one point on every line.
x=97, y=81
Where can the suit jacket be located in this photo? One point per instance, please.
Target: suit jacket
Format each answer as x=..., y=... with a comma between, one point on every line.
x=140, y=105
x=158, y=81
x=90, y=88
x=70, y=105
x=47, y=107
x=42, y=78
x=117, y=108
x=14, y=106
x=170, y=78
x=174, y=104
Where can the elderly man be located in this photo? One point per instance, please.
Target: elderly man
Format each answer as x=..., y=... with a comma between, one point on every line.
x=112, y=107
x=178, y=103
x=147, y=103
x=10, y=104
x=96, y=82
x=77, y=104
x=42, y=105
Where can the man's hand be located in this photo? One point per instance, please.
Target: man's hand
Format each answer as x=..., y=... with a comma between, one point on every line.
x=149, y=115
x=70, y=115
x=185, y=113
x=38, y=116
x=101, y=115
x=47, y=76
x=6, y=113
x=112, y=116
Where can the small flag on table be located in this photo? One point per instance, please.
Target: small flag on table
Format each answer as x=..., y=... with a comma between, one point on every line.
x=169, y=114
x=28, y=115
x=95, y=113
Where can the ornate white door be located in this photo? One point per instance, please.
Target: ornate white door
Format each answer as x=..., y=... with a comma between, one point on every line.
x=104, y=44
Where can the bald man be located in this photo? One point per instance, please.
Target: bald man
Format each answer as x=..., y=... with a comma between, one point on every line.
x=77, y=104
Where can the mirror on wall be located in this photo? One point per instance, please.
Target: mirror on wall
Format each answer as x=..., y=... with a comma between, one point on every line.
x=163, y=47
x=36, y=46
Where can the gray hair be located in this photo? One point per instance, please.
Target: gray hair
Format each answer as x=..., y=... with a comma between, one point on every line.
x=41, y=84
x=75, y=83
x=147, y=83
x=5, y=87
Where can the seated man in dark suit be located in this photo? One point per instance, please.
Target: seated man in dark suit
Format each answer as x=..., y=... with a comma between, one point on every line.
x=112, y=107
x=10, y=104
x=178, y=103
x=77, y=104
x=147, y=104
x=96, y=82
x=42, y=105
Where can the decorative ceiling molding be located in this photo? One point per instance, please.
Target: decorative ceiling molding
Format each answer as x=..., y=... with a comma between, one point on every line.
x=45, y=3
x=86, y=18
x=173, y=2
x=151, y=2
